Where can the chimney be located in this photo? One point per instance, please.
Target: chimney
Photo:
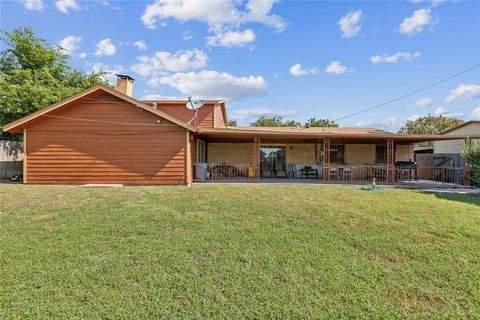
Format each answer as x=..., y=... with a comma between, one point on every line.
x=125, y=84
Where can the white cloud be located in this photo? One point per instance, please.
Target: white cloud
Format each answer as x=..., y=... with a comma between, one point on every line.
x=335, y=67
x=110, y=70
x=423, y=102
x=464, y=91
x=66, y=5
x=298, y=71
x=414, y=117
x=394, y=58
x=140, y=45
x=105, y=47
x=389, y=124
x=162, y=62
x=433, y=3
x=161, y=97
x=187, y=35
x=82, y=55
x=223, y=18
x=417, y=22
x=216, y=14
x=350, y=24
x=37, y=5
x=70, y=44
x=213, y=84
x=231, y=38
x=440, y=111
x=476, y=113
x=253, y=113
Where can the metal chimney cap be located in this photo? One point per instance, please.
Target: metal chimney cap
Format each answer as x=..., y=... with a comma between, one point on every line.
x=124, y=76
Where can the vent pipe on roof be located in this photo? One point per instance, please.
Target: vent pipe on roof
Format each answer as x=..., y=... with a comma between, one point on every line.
x=125, y=84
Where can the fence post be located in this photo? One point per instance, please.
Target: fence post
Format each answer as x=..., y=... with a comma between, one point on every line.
x=256, y=157
x=390, y=161
x=326, y=160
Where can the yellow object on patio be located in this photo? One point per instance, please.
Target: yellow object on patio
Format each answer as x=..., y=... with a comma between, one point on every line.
x=251, y=172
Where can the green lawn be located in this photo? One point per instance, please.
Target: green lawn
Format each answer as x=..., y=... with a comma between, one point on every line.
x=240, y=251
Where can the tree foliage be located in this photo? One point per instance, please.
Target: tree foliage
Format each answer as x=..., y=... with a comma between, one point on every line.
x=429, y=125
x=313, y=122
x=231, y=123
x=279, y=122
x=272, y=122
x=35, y=74
x=471, y=154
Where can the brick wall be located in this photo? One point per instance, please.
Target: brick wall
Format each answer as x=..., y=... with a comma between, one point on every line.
x=404, y=152
x=301, y=154
x=360, y=154
x=235, y=153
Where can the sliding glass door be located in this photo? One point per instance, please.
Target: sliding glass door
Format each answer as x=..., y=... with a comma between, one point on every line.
x=272, y=161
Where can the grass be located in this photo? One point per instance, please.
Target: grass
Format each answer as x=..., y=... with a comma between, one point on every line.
x=239, y=251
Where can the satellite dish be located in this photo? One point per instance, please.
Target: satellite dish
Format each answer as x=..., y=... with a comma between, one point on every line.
x=194, y=105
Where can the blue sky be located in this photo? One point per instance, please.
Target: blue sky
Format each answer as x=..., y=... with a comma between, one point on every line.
x=295, y=59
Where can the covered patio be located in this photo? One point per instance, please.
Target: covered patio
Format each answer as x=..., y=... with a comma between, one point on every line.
x=316, y=155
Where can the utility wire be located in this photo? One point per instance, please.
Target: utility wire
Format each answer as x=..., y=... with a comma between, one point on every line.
x=408, y=94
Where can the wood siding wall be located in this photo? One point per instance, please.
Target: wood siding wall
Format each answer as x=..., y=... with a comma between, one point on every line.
x=179, y=111
x=219, y=121
x=456, y=146
x=65, y=150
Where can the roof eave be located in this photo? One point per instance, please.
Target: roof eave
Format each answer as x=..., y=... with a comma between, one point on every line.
x=232, y=133
x=22, y=122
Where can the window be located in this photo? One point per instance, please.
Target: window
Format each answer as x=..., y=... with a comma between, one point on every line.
x=381, y=154
x=201, y=151
x=337, y=153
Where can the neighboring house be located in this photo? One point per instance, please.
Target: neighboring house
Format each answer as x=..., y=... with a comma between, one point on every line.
x=465, y=129
x=447, y=153
x=103, y=135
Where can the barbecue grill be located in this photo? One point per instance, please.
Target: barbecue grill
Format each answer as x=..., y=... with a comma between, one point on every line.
x=405, y=170
x=406, y=164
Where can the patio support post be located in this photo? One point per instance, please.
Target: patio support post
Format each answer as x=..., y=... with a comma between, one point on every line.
x=390, y=161
x=25, y=155
x=256, y=157
x=188, y=159
x=326, y=160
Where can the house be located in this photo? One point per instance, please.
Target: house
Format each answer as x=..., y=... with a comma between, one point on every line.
x=447, y=152
x=102, y=135
x=466, y=129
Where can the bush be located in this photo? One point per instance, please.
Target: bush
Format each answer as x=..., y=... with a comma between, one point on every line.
x=471, y=153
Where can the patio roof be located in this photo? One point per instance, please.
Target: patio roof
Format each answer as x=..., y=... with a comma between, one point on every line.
x=302, y=134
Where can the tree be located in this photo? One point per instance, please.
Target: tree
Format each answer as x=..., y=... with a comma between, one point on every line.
x=272, y=122
x=429, y=125
x=231, y=123
x=313, y=122
x=471, y=154
x=35, y=74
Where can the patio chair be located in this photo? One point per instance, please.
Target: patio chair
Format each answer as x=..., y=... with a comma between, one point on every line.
x=347, y=173
x=308, y=171
x=292, y=171
x=333, y=173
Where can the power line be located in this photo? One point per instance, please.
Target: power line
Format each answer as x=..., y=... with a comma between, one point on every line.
x=408, y=94
x=108, y=122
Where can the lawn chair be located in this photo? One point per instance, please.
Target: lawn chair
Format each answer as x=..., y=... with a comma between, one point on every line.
x=348, y=173
x=333, y=173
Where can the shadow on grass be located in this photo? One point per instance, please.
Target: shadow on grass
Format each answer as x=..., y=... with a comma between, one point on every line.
x=465, y=198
